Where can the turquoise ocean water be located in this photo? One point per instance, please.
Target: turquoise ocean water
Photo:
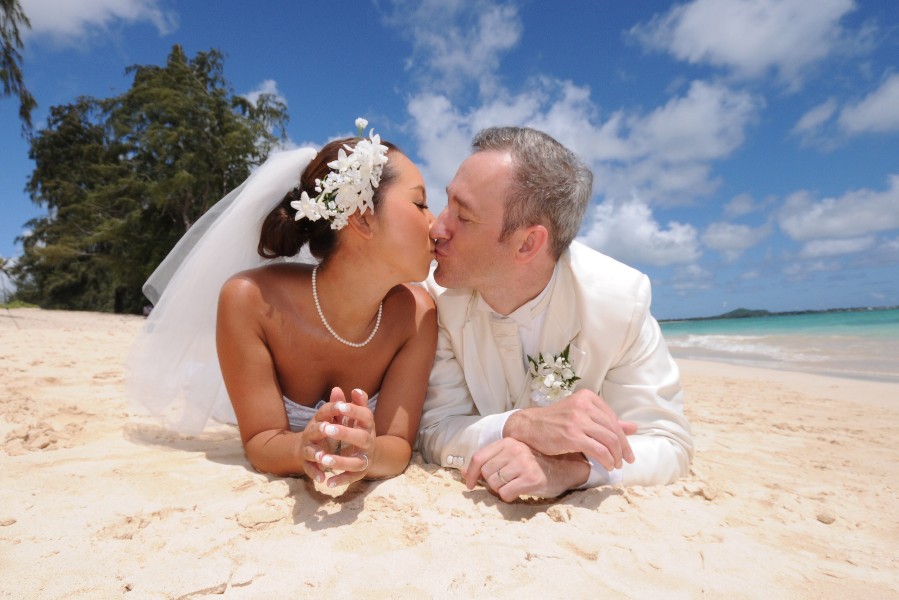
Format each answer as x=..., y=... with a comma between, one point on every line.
x=846, y=344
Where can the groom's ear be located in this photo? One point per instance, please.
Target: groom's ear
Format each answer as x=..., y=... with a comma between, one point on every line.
x=362, y=223
x=534, y=240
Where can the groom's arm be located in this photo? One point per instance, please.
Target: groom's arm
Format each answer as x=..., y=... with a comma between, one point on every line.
x=645, y=388
x=451, y=428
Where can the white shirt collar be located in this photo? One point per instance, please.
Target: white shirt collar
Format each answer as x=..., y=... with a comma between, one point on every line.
x=527, y=313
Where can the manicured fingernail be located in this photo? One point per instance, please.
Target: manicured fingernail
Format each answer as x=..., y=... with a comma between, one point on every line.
x=319, y=478
x=331, y=429
x=343, y=407
x=332, y=483
x=322, y=426
x=358, y=391
x=328, y=460
x=318, y=455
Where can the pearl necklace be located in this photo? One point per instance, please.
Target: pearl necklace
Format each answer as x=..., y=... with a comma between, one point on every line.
x=327, y=325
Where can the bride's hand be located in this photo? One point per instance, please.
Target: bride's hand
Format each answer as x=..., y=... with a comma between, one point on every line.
x=349, y=426
x=314, y=444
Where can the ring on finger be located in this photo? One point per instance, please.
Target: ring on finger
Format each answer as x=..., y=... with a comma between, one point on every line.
x=500, y=475
x=364, y=457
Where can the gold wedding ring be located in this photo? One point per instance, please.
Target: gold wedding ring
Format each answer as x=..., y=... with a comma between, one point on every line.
x=500, y=475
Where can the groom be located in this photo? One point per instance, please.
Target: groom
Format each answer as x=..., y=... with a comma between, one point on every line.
x=602, y=401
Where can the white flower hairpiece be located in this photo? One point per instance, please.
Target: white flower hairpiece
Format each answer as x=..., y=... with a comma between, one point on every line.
x=350, y=185
x=552, y=377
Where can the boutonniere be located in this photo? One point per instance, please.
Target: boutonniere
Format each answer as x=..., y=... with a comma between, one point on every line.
x=552, y=377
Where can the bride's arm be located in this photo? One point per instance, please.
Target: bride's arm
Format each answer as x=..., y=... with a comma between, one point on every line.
x=251, y=381
x=403, y=390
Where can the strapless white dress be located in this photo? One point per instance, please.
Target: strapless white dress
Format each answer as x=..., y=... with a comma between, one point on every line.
x=299, y=416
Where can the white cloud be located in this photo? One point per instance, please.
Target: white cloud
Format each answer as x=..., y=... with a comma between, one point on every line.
x=71, y=20
x=809, y=125
x=629, y=233
x=691, y=277
x=827, y=125
x=732, y=240
x=877, y=112
x=707, y=123
x=855, y=214
x=457, y=42
x=740, y=205
x=750, y=37
x=888, y=250
x=831, y=247
x=800, y=271
x=269, y=87
x=444, y=138
x=664, y=156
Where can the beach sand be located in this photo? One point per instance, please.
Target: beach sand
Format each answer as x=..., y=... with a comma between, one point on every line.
x=793, y=494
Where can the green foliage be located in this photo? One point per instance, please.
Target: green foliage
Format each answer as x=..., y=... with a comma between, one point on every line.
x=11, y=18
x=18, y=304
x=744, y=313
x=123, y=178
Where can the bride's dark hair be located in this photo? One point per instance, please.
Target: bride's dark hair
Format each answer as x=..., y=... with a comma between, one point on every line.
x=283, y=235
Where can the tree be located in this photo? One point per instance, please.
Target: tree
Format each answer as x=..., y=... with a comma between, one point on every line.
x=123, y=178
x=11, y=18
x=66, y=259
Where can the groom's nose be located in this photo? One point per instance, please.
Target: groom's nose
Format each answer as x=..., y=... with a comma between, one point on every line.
x=438, y=228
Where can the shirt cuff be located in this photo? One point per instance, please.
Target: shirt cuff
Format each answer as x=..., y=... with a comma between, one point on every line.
x=492, y=428
x=600, y=476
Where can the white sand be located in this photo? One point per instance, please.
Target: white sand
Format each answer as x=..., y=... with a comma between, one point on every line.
x=793, y=495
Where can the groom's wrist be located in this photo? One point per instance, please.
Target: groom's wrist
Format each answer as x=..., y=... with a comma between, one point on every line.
x=580, y=471
x=574, y=470
x=516, y=425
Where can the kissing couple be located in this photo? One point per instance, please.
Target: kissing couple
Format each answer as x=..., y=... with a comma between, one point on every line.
x=304, y=307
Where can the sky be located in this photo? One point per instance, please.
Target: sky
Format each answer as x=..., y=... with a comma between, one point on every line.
x=745, y=152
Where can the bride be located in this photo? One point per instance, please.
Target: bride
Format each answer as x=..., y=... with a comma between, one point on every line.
x=325, y=360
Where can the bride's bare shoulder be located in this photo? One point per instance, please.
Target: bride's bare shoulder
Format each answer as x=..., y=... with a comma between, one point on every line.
x=411, y=301
x=253, y=284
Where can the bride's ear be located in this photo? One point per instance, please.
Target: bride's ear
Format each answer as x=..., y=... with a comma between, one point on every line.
x=362, y=223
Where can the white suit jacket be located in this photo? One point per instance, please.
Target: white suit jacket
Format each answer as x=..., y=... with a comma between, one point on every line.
x=601, y=308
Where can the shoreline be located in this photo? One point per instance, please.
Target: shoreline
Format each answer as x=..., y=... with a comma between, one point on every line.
x=790, y=495
x=751, y=313
x=842, y=388
x=770, y=366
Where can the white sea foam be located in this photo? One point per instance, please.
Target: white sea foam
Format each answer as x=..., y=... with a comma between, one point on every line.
x=854, y=343
x=743, y=346
x=835, y=355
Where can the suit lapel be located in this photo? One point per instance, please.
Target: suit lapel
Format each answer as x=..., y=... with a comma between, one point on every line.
x=483, y=365
x=561, y=325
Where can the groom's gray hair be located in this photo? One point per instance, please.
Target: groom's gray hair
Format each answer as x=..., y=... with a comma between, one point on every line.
x=551, y=186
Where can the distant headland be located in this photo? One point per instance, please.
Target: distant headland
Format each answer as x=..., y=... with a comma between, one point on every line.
x=745, y=313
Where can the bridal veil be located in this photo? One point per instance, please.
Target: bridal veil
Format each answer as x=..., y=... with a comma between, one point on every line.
x=173, y=369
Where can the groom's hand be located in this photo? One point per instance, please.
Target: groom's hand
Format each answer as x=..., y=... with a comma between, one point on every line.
x=511, y=469
x=579, y=423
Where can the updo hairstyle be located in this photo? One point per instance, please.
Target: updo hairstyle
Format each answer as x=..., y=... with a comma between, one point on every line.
x=283, y=235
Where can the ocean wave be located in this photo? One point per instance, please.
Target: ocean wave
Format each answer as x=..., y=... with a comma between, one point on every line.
x=744, y=346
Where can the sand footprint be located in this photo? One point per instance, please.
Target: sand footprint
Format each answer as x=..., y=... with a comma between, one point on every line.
x=264, y=515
